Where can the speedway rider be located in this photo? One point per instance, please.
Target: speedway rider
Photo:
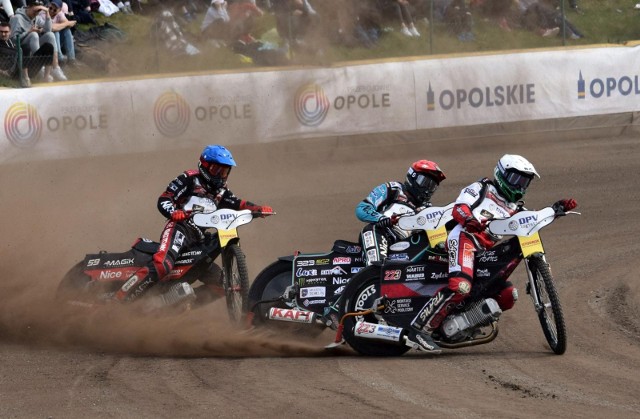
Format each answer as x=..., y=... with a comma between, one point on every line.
x=422, y=180
x=180, y=232
x=477, y=204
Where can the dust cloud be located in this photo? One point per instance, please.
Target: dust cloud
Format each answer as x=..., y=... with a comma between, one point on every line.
x=54, y=212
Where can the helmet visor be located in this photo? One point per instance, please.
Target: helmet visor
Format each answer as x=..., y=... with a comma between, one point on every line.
x=218, y=170
x=518, y=180
x=426, y=183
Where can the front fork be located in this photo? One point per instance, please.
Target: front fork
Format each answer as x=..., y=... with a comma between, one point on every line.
x=532, y=289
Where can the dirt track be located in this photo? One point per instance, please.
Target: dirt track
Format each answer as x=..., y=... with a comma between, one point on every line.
x=111, y=365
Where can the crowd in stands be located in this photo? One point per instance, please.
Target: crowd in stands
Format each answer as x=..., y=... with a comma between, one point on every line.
x=48, y=28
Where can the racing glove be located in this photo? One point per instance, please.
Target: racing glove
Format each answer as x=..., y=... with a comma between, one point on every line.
x=474, y=226
x=387, y=222
x=179, y=215
x=565, y=205
x=256, y=209
x=264, y=211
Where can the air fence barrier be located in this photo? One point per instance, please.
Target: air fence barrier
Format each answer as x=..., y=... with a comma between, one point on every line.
x=67, y=120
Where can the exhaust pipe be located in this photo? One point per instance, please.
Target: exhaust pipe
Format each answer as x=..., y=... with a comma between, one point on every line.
x=292, y=315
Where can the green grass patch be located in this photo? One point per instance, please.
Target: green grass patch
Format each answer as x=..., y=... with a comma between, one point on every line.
x=602, y=22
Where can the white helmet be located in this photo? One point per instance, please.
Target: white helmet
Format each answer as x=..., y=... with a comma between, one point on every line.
x=513, y=174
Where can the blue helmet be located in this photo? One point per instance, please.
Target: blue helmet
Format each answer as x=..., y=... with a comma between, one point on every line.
x=214, y=166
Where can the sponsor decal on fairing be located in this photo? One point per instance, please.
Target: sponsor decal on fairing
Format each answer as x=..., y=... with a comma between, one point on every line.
x=308, y=303
x=396, y=247
x=120, y=262
x=337, y=270
x=312, y=292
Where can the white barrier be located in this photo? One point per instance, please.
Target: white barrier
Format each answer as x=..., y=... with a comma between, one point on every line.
x=69, y=120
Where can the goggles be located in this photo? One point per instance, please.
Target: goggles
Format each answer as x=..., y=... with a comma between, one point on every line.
x=426, y=183
x=218, y=170
x=517, y=179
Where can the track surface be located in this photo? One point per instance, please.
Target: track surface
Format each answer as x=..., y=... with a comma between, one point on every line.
x=109, y=364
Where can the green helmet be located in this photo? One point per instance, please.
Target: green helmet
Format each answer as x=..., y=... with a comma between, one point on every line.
x=513, y=174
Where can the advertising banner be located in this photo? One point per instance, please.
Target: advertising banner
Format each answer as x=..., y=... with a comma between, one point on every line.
x=71, y=120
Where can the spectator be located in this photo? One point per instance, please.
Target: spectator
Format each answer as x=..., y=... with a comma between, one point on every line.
x=294, y=19
x=62, y=30
x=457, y=16
x=9, y=57
x=368, y=28
x=495, y=10
x=573, y=5
x=33, y=24
x=401, y=9
x=124, y=7
x=7, y=7
x=242, y=16
x=215, y=24
x=167, y=31
x=81, y=11
x=541, y=17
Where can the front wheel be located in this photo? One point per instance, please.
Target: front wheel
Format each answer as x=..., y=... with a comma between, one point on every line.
x=548, y=306
x=359, y=295
x=236, y=281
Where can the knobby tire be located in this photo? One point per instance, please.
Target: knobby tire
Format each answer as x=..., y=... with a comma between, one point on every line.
x=73, y=285
x=365, y=283
x=551, y=318
x=236, y=282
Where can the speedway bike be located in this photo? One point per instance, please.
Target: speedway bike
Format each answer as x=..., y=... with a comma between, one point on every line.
x=194, y=279
x=302, y=292
x=381, y=301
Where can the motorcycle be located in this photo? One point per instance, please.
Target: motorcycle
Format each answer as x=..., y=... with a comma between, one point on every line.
x=99, y=276
x=306, y=288
x=380, y=302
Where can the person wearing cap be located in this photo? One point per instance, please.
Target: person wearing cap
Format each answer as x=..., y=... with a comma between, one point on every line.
x=61, y=27
x=216, y=22
x=33, y=25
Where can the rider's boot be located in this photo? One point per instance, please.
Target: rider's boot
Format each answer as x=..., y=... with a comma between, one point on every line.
x=213, y=288
x=428, y=319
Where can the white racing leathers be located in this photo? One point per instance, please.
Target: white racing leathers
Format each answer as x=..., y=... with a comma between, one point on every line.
x=480, y=201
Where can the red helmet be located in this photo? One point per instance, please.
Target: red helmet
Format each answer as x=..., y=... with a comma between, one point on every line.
x=423, y=178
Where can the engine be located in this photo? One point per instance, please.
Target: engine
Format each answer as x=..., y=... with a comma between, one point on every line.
x=481, y=313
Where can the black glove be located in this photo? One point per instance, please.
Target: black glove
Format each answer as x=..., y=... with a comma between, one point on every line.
x=565, y=205
x=387, y=222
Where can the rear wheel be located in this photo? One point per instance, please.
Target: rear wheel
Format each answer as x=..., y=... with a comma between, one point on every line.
x=78, y=289
x=359, y=295
x=550, y=311
x=73, y=283
x=269, y=285
x=236, y=282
